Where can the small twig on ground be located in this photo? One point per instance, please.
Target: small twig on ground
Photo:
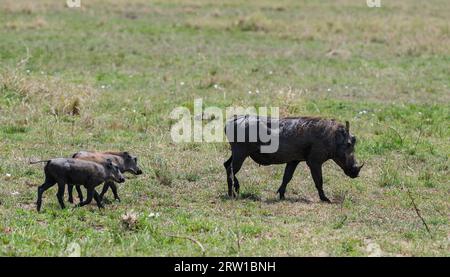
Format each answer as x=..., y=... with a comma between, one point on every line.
x=72, y=131
x=342, y=201
x=418, y=212
x=24, y=60
x=418, y=137
x=398, y=134
x=191, y=239
x=237, y=233
x=239, y=243
x=238, y=238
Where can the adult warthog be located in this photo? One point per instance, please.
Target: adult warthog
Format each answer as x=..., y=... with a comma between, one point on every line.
x=310, y=139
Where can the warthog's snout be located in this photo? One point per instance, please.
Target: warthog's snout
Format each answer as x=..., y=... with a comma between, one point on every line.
x=354, y=171
x=138, y=171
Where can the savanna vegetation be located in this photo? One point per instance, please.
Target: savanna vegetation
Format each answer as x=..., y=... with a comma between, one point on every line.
x=107, y=75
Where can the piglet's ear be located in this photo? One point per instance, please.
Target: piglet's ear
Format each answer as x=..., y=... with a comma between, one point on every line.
x=109, y=163
x=347, y=126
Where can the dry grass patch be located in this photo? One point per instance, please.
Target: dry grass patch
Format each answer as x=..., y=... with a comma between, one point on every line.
x=36, y=23
x=43, y=94
x=31, y=7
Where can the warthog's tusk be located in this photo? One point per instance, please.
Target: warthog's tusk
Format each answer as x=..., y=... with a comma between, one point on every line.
x=359, y=167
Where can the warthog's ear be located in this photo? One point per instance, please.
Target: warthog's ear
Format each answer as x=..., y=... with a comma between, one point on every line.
x=126, y=154
x=340, y=136
x=347, y=126
x=109, y=163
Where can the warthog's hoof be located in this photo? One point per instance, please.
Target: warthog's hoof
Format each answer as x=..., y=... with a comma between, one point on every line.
x=325, y=199
x=105, y=200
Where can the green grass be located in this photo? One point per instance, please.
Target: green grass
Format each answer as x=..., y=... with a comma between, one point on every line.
x=107, y=76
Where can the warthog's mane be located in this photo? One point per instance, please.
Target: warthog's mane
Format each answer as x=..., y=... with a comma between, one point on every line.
x=115, y=153
x=318, y=127
x=322, y=127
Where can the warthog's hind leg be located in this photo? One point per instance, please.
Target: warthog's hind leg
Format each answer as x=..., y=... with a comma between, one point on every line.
x=227, y=170
x=237, y=159
x=41, y=189
x=288, y=173
x=60, y=194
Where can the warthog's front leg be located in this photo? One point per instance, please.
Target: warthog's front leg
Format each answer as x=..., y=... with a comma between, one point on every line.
x=104, y=190
x=79, y=192
x=70, y=192
x=114, y=190
x=90, y=195
x=316, y=172
x=113, y=187
x=98, y=199
x=288, y=173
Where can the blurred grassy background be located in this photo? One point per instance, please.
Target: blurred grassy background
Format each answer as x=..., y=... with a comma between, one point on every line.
x=107, y=75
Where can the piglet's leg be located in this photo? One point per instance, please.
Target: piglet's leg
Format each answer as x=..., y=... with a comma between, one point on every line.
x=60, y=194
x=69, y=191
x=104, y=190
x=80, y=193
x=114, y=190
x=41, y=189
x=98, y=200
x=90, y=195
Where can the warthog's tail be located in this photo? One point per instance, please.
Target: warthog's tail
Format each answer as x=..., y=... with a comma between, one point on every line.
x=41, y=161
